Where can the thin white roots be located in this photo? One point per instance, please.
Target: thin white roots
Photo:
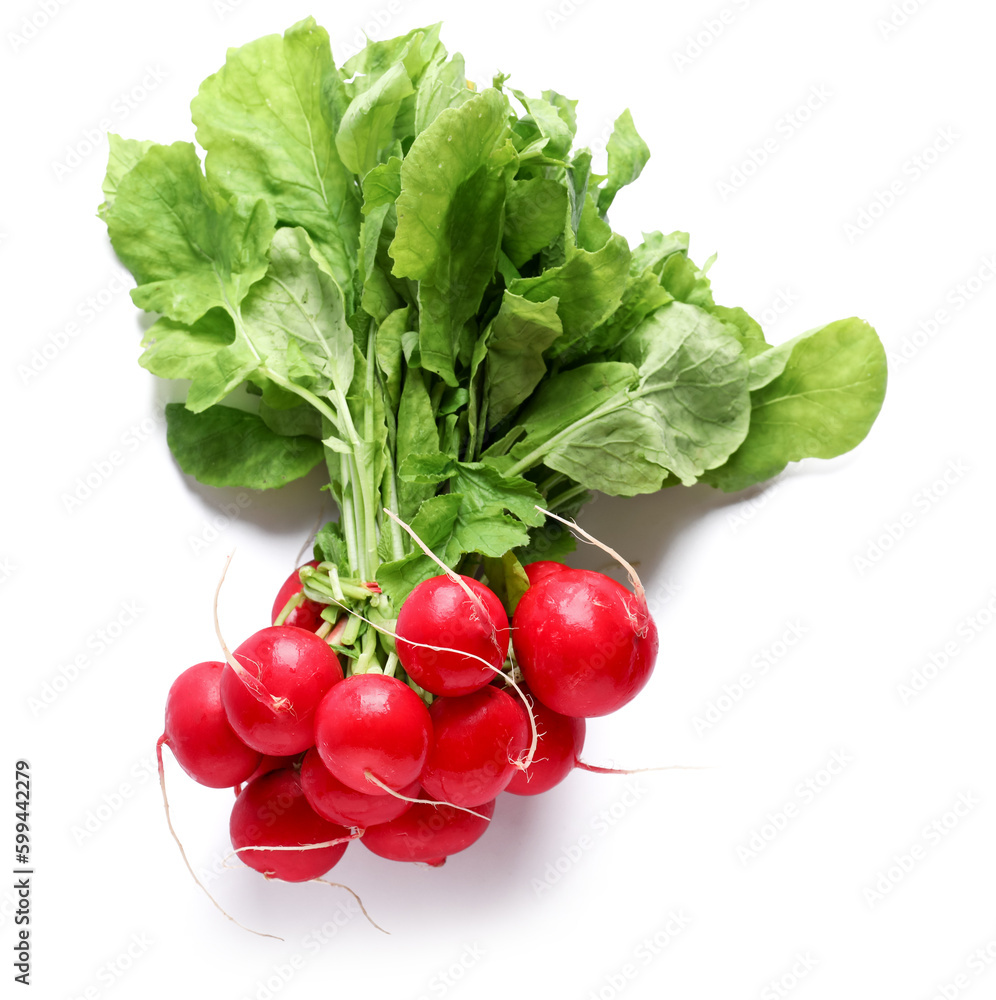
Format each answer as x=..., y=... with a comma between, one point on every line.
x=371, y=777
x=252, y=684
x=523, y=762
x=183, y=853
x=634, y=578
x=475, y=599
x=339, y=885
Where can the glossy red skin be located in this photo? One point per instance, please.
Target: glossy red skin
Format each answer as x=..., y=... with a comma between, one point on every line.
x=541, y=569
x=558, y=748
x=477, y=737
x=428, y=833
x=272, y=811
x=330, y=798
x=268, y=764
x=376, y=723
x=198, y=732
x=307, y=615
x=439, y=612
x=584, y=643
x=289, y=663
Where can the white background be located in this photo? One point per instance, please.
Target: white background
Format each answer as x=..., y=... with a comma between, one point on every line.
x=115, y=912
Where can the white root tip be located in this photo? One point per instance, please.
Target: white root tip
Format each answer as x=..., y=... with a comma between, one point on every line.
x=355, y=896
x=183, y=853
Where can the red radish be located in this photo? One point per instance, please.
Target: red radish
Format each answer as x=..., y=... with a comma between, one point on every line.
x=268, y=764
x=541, y=569
x=439, y=612
x=306, y=614
x=478, y=739
x=273, y=812
x=585, y=644
x=330, y=798
x=198, y=732
x=561, y=739
x=428, y=833
x=270, y=702
x=373, y=728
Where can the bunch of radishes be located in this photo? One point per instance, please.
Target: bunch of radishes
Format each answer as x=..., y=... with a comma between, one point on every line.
x=409, y=765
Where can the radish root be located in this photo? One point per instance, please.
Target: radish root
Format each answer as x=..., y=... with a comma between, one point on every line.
x=427, y=802
x=521, y=764
x=455, y=577
x=253, y=685
x=355, y=896
x=183, y=853
x=634, y=578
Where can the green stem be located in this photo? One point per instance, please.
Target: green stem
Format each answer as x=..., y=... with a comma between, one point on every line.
x=537, y=454
x=566, y=497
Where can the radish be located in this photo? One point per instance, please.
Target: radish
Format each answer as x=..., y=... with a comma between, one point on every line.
x=561, y=739
x=586, y=645
x=441, y=612
x=541, y=569
x=303, y=613
x=270, y=701
x=479, y=738
x=330, y=798
x=272, y=812
x=428, y=832
x=198, y=732
x=372, y=731
x=269, y=763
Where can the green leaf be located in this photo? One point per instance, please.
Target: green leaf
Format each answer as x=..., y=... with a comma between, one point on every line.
x=123, y=155
x=417, y=435
x=534, y=217
x=550, y=123
x=189, y=249
x=228, y=447
x=451, y=526
x=330, y=545
x=687, y=282
x=389, y=353
x=515, y=342
x=822, y=404
x=368, y=125
x=481, y=484
x=746, y=329
x=453, y=184
x=268, y=130
x=507, y=579
x=589, y=288
x=205, y=352
x=443, y=85
x=292, y=422
x=628, y=155
x=693, y=379
x=297, y=312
